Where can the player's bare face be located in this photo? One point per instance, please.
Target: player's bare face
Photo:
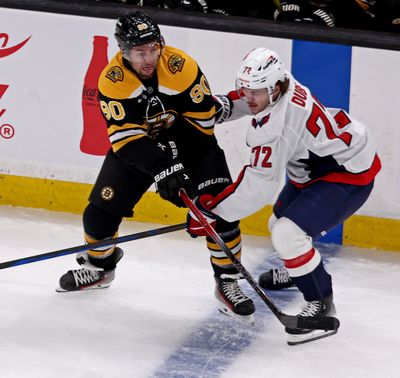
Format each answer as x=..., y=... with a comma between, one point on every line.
x=144, y=59
x=257, y=99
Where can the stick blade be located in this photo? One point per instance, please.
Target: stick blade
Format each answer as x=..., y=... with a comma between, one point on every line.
x=321, y=322
x=309, y=322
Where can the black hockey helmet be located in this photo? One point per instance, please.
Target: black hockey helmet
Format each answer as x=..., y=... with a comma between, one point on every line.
x=135, y=29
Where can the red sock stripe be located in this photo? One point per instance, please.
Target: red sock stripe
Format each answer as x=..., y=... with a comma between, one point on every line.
x=301, y=260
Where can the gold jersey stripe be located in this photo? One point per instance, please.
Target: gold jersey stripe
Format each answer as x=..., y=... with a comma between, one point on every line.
x=201, y=115
x=117, y=145
x=123, y=134
x=113, y=128
x=208, y=131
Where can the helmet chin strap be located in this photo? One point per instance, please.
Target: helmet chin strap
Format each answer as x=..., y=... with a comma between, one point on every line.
x=271, y=97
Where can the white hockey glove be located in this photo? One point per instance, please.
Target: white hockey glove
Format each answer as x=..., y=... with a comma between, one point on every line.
x=224, y=107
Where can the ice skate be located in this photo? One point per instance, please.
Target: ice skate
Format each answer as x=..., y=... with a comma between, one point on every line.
x=323, y=307
x=232, y=301
x=89, y=279
x=276, y=279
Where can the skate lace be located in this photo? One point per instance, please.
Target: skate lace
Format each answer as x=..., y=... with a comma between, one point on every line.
x=280, y=275
x=85, y=276
x=312, y=308
x=232, y=291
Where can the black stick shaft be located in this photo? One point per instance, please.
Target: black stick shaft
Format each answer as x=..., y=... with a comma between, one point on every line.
x=290, y=321
x=85, y=247
x=238, y=265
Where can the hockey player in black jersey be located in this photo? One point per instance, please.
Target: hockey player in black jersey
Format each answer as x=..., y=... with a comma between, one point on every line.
x=160, y=116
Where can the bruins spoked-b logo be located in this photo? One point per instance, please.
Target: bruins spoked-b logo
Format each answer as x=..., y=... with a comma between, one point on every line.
x=115, y=74
x=175, y=63
x=107, y=193
x=160, y=122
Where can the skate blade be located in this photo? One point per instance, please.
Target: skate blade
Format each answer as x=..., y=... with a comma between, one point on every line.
x=311, y=336
x=247, y=320
x=289, y=288
x=94, y=287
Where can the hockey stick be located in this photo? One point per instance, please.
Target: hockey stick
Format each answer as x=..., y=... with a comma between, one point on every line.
x=290, y=321
x=85, y=247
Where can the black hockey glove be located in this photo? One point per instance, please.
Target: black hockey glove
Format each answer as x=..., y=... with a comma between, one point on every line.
x=194, y=5
x=169, y=180
x=305, y=12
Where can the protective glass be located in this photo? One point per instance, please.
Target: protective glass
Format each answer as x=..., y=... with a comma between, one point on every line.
x=149, y=52
x=251, y=94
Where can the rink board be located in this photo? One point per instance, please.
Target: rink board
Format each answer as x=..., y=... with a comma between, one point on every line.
x=41, y=164
x=359, y=230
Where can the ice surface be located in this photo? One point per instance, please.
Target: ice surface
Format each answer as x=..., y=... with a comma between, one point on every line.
x=159, y=319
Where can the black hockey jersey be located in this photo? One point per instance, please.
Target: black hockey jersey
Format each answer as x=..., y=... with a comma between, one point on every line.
x=178, y=93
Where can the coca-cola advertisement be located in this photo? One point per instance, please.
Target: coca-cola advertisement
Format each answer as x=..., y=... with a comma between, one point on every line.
x=94, y=139
x=7, y=131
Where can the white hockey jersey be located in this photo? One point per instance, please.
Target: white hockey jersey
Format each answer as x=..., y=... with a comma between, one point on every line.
x=311, y=142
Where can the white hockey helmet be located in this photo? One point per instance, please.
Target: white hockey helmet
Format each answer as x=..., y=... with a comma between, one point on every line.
x=261, y=68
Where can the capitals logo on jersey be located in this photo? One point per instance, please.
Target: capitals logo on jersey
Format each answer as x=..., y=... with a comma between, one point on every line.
x=260, y=122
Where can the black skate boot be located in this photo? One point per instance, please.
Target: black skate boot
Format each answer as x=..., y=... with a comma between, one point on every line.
x=275, y=279
x=323, y=307
x=87, y=279
x=231, y=300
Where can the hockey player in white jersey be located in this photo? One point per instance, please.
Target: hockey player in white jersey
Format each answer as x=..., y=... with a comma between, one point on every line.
x=330, y=160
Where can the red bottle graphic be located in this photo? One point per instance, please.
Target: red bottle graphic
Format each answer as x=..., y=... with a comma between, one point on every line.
x=94, y=139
